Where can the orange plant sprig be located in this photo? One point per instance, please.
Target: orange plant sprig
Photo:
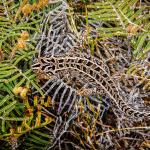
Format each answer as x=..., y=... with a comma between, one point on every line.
x=21, y=43
x=39, y=122
x=27, y=8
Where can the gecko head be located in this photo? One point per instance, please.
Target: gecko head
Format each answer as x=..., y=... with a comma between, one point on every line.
x=48, y=65
x=43, y=68
x=44, y=65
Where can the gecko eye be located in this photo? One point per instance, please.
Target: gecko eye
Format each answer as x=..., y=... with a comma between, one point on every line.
x=42, y=60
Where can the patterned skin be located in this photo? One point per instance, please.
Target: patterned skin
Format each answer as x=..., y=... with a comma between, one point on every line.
x=89, y=71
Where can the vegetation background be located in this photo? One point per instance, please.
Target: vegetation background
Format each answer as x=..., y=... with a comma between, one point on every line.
x=25, y=120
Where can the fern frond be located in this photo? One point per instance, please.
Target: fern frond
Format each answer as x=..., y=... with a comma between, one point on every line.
x=118, y=18
x=139, y=72
x=29, y=118
x=9, y=112
x=141, y=45
x=38, y=139
x=12, y=74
